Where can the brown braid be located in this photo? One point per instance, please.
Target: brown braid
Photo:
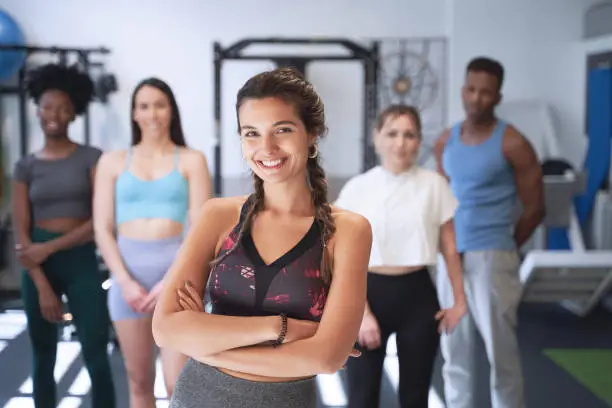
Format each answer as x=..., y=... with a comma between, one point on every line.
x=254, y=204
x=323, y=213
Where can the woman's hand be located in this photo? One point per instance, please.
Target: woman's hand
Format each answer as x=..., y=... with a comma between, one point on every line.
x=32, y=255
x=150, y=301
x=369, y=332
x=134, y=295
x=449, y=318
x=189, y=298
x=50, y=305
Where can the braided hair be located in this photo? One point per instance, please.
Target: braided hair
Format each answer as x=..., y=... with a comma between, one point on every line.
x=291, y=86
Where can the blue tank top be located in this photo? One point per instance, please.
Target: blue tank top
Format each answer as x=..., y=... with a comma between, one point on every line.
x=483, y=183
x=166, y=197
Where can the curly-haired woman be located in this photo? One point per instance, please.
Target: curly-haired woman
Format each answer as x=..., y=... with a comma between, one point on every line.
x=52, y=210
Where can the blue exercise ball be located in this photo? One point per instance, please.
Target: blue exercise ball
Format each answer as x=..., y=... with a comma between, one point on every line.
x=10, y=33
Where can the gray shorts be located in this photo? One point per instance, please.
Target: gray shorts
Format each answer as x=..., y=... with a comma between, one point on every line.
x=202, y=386
x=147, y=262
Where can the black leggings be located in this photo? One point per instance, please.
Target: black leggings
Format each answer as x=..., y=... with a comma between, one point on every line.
x=405, y=305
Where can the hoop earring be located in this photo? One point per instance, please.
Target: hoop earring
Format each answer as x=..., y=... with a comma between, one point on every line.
x=315, y=152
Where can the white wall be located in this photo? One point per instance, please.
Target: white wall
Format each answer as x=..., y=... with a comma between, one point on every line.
x=537, y=41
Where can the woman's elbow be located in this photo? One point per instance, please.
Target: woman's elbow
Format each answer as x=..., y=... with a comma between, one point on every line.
x=331, y=359
x=101, y=232
x=332, y=364
x=159, y=328
x=451, y=256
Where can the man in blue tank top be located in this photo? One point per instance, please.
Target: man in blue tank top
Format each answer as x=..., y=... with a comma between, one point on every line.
x=494, y=172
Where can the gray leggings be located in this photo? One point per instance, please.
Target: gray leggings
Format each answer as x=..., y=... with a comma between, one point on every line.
x=147, y=261
x=202, y=386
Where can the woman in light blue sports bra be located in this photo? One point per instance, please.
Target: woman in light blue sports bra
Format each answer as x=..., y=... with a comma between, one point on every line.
x=144, y=197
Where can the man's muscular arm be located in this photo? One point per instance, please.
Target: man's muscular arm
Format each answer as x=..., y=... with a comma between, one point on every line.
x=529, y=183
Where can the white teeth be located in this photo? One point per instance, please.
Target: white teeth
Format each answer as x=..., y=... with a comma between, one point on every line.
x=271, y=163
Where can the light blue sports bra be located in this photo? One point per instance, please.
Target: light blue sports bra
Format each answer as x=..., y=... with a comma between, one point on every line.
x=166, y=197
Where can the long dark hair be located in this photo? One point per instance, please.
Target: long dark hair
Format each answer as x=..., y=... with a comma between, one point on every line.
x=176, y=129
x=289, y=85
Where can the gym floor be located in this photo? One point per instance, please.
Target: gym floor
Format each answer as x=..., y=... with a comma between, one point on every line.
x=565, y=360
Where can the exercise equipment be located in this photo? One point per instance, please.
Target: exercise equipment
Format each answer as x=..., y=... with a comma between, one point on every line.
x=104, y=85
x=574, y=277
x=597, y=161
x=10, y=34
x=559, y=193
x=564, y=268
x=356, y=52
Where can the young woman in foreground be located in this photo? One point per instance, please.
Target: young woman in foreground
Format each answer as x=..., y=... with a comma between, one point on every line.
x=288, y=275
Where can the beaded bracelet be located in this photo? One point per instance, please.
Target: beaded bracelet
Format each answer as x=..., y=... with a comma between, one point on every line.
x=283, y=331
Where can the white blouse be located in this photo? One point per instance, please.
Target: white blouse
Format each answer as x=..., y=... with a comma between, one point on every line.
x=405, y=211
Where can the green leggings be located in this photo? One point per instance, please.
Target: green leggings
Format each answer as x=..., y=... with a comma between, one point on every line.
x=75, y=273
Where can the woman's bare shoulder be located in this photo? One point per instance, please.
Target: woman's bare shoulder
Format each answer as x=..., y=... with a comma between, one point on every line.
x=223, y=206
x=349, y=223
x=219, y=213
x=115, y=155
x=112, y=162
x=192, y=158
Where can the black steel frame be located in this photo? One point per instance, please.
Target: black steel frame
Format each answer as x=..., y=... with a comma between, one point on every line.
x=83, y=55
x=368, y=55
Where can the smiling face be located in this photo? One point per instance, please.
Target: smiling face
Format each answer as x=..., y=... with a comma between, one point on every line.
x=275, y=142
x=55, y=112
x=152, y=112
x=397, y=142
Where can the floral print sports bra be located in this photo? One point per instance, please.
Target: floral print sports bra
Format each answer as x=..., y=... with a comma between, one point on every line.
x=244, y=285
